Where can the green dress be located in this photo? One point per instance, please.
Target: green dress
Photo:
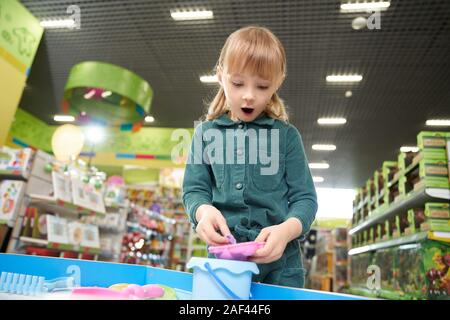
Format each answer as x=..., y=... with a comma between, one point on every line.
x=257, y=175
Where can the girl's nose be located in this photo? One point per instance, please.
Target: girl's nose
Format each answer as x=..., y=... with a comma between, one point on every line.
x=248, y=96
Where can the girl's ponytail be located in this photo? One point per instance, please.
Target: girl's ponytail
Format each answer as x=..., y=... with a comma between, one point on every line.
x=218, y=106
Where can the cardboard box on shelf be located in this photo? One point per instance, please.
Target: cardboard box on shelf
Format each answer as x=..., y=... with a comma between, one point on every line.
x=434, y=217
x=433, y=174
x=432, y=145
x=11, y=193
x=440, y=225
x=405, y=159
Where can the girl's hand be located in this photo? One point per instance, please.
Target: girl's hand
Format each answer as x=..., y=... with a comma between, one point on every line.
x=276, y=238
x=210, y=221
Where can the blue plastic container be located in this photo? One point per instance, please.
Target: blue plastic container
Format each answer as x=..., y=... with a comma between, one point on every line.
x=220, y=279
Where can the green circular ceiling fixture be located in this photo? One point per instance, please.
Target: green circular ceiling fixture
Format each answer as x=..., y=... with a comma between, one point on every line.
x=106, y=94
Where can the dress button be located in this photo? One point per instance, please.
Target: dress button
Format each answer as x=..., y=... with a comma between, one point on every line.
x=239, y=152
x=240, y=126
x=239, y=186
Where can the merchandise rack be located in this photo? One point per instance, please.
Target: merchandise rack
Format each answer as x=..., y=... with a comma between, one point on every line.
x=412, y=199
x=413, y=238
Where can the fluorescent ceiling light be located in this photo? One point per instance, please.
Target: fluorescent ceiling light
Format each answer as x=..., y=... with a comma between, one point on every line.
x=365, y=6
x=209, y=79
x=90, y=94
x=327, y=121
x=409, y=149
x=322, y=165
x=106, y=94
x=318, y=179
x=63, y=118
x=324, y=147
x=149, y=119
x=436, y=122
x=191, y=15
x=58, y=23
x=344, y=78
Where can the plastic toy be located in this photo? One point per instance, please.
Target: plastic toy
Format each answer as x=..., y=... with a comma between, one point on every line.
x=131, y=292
x=238, y=251
x=30, y=285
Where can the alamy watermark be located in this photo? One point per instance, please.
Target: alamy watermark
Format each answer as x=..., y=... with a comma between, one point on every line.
x=75, y=15
x=214, y=146
x=374, y=280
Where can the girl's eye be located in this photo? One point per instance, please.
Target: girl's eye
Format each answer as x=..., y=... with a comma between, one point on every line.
x=263, y=87
x=237, y=84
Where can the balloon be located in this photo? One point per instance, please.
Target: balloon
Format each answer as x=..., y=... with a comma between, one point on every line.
x=67, y=142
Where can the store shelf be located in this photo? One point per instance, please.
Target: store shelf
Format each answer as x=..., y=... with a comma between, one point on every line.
x=412, y=199
x=13, y=175
x=433, y=235
x=59, y=206
x=59, y=246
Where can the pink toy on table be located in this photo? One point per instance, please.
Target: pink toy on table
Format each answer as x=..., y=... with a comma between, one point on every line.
x=235, y=251
x=131, y=292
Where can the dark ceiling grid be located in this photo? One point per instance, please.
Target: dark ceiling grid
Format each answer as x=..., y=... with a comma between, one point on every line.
x=405, y=67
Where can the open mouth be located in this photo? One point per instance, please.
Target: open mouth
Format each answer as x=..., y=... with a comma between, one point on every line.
x=247, y=110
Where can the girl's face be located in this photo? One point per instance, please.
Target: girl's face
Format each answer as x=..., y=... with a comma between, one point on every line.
x=247, y=95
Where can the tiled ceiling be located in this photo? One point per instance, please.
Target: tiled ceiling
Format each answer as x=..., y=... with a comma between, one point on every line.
x=405, y=65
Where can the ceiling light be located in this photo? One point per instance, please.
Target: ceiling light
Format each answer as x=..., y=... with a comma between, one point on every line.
x=324, y=147
x=191, y=15
x=58, y=24
x=90, y=94
x=322, y=165
x=359, y=23
x=436, y=122
x=63, y=118
x=106, y=94
x=344, y=78
x=409, y=149
x=95, y=133
x=318, y=179
x=365, y=6
x=348, y=94
x=332, y=121
x=209, y=79
x=149, y=119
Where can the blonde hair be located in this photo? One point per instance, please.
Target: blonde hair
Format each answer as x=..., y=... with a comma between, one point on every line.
x=258, y=50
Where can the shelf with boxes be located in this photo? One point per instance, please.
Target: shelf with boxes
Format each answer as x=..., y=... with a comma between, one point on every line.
x=63, y=213
x=329, y=266
x=413, y=215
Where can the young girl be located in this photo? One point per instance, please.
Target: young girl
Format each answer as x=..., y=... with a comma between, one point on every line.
x=225, y=191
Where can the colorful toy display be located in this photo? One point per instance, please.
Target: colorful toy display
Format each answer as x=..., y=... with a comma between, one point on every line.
x=10, y=195
x=15, y=161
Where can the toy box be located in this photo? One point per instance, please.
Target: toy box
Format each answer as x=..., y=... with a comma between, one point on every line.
x=11, y=193
x=402, y=223
x=435, y=217
x=432, y=145
x=429, y=174
x=405, y=159
x=15, y=161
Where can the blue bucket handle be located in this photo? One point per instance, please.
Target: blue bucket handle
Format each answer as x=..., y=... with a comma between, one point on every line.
x=220, y=282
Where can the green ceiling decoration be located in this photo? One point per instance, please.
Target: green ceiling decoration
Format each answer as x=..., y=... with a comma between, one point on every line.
x=106, y=94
